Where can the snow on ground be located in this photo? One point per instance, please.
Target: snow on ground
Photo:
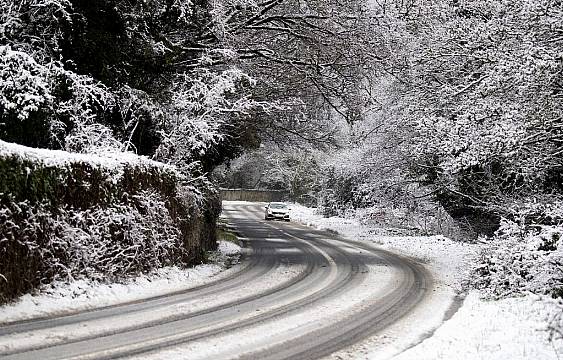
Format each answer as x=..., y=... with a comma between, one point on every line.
x=61, y=298
x=243, y=342
x=513, y=328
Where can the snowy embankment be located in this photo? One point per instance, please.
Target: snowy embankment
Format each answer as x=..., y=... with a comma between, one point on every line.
x=67, y=297
x=513, y=328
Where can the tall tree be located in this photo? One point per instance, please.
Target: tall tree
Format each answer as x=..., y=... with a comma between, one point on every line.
x=308, y=57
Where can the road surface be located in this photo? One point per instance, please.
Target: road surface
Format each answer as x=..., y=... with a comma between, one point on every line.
x=297, y=294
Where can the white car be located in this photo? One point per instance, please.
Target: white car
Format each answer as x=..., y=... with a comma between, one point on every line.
x=276, y=210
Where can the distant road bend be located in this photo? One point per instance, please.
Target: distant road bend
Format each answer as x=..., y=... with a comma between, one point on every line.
x=297, y=294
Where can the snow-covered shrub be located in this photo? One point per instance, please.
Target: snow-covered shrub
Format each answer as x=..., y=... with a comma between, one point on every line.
x=91, y=139
x=136, y=236
x=24, y=85
x=78, y=115
x=524, y=257
x=35, y=26
x=99, y=242
x=40, y=104
x=65, y=216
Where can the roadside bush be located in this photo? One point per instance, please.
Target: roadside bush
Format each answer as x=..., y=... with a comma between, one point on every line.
x=353, y=190
x=525, y=255
x=66, y=216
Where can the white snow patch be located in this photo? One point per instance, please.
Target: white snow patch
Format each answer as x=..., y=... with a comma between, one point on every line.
x=511, y=329
x=61, y=298
x=227, y=248
x=380, y=279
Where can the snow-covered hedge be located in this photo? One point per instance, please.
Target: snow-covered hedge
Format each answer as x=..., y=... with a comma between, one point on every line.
x=525, y=255
x=66, y=216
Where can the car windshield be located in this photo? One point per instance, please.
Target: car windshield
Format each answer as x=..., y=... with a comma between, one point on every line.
x=278, y=206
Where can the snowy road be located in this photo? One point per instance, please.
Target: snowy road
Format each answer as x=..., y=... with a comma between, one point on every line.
x=298, y=294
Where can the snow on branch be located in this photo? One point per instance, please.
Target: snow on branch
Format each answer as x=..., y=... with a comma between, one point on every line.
x=29, y=90
x=199, y=110
x=525, y=255
x=24, y=84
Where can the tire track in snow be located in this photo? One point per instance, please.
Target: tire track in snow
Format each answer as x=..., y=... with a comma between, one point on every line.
x=330, y=270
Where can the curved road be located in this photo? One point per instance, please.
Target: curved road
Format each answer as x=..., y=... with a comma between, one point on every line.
x=297, y=294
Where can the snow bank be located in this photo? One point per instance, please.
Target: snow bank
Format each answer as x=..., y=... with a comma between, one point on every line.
x=511, y=329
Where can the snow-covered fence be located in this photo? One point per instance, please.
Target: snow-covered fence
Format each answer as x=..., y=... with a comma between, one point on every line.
x=65, y=216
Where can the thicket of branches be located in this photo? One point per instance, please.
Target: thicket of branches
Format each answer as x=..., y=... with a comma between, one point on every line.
x=182, y=82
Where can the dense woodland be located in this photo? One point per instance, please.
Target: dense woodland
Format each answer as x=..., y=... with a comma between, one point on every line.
x=438, y=112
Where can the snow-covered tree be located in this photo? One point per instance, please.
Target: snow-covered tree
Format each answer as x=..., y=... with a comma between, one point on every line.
x=199, y=109
x=35, y=112
x=489, y=98
x=310, y=56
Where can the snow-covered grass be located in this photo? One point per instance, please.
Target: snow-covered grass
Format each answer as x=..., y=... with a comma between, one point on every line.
x=63, y=297
x=512, y=328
